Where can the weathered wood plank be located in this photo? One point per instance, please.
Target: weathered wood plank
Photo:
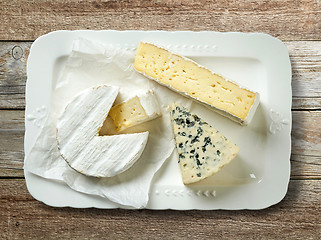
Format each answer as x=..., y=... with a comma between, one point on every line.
x=288, y=20
x=306, y=133
x=13, y=120
x=13, y=60
x=303, y=166
x=11, y=143
x=305, y=159
x=11, y=153
x=306, y=68
x=300, y=103
x=22, y=217
x=305, y=58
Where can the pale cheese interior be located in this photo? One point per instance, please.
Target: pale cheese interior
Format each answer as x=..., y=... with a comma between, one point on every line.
x=198, y=82
x=202, y=150
x=128, y=114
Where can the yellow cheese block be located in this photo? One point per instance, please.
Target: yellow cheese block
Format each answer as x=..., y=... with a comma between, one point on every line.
x=135, y=111
x=190, y=79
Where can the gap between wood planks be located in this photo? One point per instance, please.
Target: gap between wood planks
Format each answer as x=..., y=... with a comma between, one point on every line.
x=306, y=110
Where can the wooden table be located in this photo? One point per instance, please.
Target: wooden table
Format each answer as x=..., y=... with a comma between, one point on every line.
x=297, y=23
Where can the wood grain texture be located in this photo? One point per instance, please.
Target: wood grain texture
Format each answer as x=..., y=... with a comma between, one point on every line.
x=288, y=20
x=12, y=120
x=11, y=153
x=306, y=68
x=305, y=159
x=303, y=167
x=22, y=217
x=11, y=143
x=13, y=60
x=295, y=22
x=306, y=133
x=305, y=59
x=311, y=104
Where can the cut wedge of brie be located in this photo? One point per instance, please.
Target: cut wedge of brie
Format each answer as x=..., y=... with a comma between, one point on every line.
x=80, y=144
x=137, y=110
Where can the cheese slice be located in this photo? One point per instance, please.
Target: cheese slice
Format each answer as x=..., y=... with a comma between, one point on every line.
x=197, y=82
x=202, y=150
x=137, y=110
x=81, y=146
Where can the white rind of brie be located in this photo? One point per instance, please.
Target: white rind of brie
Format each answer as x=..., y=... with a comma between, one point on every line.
x=150, y=104
x=81, y=146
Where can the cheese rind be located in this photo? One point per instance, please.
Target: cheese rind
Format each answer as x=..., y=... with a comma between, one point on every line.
x=80, y=144
x=137, y=110
x=197, y=82
x=202, y=150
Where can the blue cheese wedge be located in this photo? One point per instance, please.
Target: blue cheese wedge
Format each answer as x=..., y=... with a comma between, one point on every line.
x=197, y=82
x=80, y=144
x=137, y=110
x=202, y=150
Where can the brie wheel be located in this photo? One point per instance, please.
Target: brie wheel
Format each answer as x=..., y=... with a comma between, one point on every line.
x=80, y=144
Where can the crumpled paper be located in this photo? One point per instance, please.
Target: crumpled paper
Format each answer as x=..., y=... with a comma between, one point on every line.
x=90, y=64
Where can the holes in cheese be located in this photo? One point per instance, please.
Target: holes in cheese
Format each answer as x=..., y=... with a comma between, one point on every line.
x=190, y=79
x=135, y=111
x=202, y=150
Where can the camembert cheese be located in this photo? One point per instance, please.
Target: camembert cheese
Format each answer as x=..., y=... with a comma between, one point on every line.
x=202, y=150
x=137, y=110
x=80, y=144
x=190, y=79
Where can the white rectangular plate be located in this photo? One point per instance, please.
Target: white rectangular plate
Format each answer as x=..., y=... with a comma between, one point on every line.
x=256, y=179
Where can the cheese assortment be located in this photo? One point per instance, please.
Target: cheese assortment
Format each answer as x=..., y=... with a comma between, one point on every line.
x=137, y=110
x=202, y=150
x=197, y=82
x=80, y=144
